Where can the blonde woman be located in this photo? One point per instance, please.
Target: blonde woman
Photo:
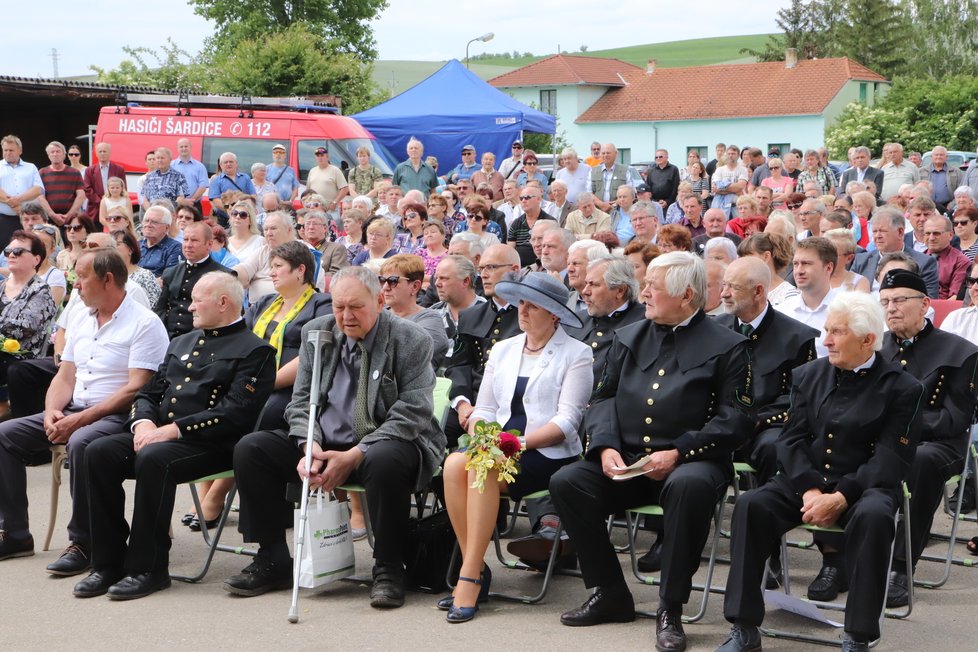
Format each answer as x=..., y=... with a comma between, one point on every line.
x=244, y=240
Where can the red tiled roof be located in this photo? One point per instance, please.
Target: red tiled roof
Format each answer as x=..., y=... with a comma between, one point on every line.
x=564, y=69
x=727, y=91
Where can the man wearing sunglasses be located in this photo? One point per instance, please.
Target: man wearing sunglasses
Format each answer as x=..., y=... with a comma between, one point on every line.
x=328, y=181
x=64, y=191
x=466, y=168
x=947, y=366
x=229, y=179
x=511, y=167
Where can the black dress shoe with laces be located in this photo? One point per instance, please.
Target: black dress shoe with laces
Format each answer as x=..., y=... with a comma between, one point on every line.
x=669, y=634
x=73, y=561
x=651, y=562
x=898, y=592
x=827, y=585
x=258, y=577
x=602, y=607
x=743, y=638
x=98, y=582
x=387, y=591
x=10, y=547
x=132, y=587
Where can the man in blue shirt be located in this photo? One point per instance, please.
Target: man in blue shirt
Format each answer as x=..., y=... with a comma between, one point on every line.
x=282, y=175
x=164, y=182
x=229, y=179
x=158, y=250
x=466, y=168
x=193, y=171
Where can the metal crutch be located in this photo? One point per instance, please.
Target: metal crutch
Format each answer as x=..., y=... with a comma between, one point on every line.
x=318, y=339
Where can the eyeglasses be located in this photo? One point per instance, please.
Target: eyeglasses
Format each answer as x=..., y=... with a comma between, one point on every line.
x=15, y=251
x=899, y=301
x=531, y=162
x=241, y=214
x=660, y=156
x=313, y=204
x=476, y=218
x=970, y=280
x=46, y=228
x=808, y=213
x=961, y=222
x=74, y=153
x=392, y=281
x=411, y=215
x=528, y=197
x=114, y=218
x=152, y=223
x=491, y=267
x=74, y=227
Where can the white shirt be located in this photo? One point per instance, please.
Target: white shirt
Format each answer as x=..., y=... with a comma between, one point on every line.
x=134, y=338
x=795, y=308
x=577, y=181
x=963, y=322
x=16, y=179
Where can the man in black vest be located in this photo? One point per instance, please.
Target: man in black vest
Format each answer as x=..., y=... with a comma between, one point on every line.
x=847, y=446
x=946, y=365
x=183, y=425
x=173, y=306
x=677, y=356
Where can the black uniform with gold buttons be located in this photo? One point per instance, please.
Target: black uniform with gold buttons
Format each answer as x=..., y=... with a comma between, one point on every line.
x=777, y=346
x=946, y=365
x=852, y=432
x=173, y=306
x=685, y=388
x=599, y=332
x=479, y=328
x=212, y=385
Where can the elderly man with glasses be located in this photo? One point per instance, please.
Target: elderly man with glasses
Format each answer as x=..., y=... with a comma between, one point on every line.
x=158, y=250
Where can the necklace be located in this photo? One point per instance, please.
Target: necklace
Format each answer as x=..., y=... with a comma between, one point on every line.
x=529, y=350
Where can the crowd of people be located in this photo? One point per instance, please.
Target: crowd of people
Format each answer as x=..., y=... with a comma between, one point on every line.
x=775, y=310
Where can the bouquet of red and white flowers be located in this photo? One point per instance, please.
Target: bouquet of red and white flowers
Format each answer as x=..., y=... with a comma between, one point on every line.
x=492, y=448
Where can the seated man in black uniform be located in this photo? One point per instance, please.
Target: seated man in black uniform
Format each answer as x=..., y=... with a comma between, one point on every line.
x=849, y=441
x=183, y=426
x=375, y=427
x=946, y=365
x=179, y=280
x=676, y=387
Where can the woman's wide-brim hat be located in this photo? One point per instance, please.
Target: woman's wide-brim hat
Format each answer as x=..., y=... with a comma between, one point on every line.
x=544, y=291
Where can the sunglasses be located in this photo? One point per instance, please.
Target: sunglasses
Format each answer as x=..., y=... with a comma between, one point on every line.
x=115, y=218
x=15, y=251
x=476, y=218
x=527, y=197
x=239, y=214
x=517, y=147
x=74, y=153
x=530, y=162
x=50, y=230
x=314, y=204
x=468, y=153
x=392, y=281
x=323, y=153
x=74, y=227
x=793, y=206
x=970, y=280
x=961, y=222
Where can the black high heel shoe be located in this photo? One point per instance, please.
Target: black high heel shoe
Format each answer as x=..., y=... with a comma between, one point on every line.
x=194, y=524
x=445, y=604
x=189, y=516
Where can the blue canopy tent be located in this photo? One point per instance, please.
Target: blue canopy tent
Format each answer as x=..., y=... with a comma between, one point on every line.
x=450, y=109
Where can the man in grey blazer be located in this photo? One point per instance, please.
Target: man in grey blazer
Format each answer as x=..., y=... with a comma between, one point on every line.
x=860, y=171
x=888, y=227
x=385, y=438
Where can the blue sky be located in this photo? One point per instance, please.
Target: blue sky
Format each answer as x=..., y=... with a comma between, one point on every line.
x=94, y=31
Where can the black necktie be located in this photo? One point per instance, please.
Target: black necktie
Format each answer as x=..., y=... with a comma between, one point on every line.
x=746, y=329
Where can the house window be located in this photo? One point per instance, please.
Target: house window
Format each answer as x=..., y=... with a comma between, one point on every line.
x=548, y=101
x=781, y=147
x=701, y=150
x=625, y=155
x=862, y=92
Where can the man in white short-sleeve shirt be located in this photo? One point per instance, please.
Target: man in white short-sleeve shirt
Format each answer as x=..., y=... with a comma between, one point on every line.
x=112, y=350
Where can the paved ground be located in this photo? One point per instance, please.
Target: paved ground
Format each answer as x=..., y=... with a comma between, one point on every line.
x=37, y=612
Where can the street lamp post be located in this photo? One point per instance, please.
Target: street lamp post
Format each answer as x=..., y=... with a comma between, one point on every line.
x=485, y=38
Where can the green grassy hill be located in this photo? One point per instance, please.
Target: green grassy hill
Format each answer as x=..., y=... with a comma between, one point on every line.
x=398, y=76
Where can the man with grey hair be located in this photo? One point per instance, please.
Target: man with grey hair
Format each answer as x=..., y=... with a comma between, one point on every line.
x=810, y=218
x=861, y=172
x=415, y=173
x=943, y=178
x=621, y=223
x=183, y=425
x=579, y=254
x=375, y=427
x=454, y=282
x=158, y=250
x=645, y=211
x=64, y=189
x=536, y=243
x=720, y=249
x=467, y=245
x=952, y=265
x=575, y=176
x=229, y=179
x=676, y=356
x=662, y=177
x=560, y=207
x=553, y=252
x=841, y=465
x=587, y=220
x=162, y=183
x=714, y=226
x=714, y=280
x=607, y=177
x=193, y=171
x=887, y=228
x=96, y=177
x=896, y=172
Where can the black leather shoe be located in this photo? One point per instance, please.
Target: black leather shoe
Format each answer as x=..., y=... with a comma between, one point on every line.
x=387, y=591
x=10, y=548
x=897, y=593
x=132, y=587
x=601, y=608
x=258, y=577
x=669, y=634
x=849, y=645
x=194, y=523
x=98, y=582
x=827, y=585
x=651, y=562
x=743, y=638
x=73, y=561
x=189, y=516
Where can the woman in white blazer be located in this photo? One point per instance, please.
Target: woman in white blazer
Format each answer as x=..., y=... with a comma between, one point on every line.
x=538, y=383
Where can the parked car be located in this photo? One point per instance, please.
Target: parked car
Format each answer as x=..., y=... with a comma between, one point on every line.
x=954, y=158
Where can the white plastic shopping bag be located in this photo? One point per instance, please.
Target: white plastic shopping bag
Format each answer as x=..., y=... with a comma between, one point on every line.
x=327, y=549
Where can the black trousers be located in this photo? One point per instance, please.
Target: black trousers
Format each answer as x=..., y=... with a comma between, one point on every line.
x=935, y=462
x=158, y=469
x=585, y=497
x=265, y=463
x=27, y=384
x=762, y=515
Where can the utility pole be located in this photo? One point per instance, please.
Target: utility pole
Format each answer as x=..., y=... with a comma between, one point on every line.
x=54, y=60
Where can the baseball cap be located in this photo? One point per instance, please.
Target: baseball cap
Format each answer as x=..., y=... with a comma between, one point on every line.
x=642, y=187
x=320, y=150
x=517, y=142
x=468, y=148
x=278, y=146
